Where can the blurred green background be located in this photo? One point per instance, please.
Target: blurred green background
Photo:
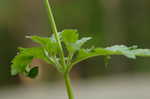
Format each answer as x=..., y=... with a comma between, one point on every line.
x=109, y=22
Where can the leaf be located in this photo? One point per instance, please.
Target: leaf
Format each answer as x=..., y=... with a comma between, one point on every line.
x=19, y=63
x=33, y=72
x=142, y=52
x=82, y=41
x=72, y=42
x=40, y=40
x=124, y=50
x=50, y=44
x=25, y=57
x=129, y=52
x=35, y=52
x=70, y=36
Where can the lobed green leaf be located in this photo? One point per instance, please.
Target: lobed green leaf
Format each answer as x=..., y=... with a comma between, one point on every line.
x=72, y=41
x=129, y=52
x=48, y=43
x=24, y=58
x=70, y=36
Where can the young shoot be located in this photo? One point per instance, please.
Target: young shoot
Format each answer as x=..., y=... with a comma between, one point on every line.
x=51, y=51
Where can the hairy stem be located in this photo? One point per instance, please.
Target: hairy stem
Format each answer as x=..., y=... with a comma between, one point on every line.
x=54, y=30
x=68, y=86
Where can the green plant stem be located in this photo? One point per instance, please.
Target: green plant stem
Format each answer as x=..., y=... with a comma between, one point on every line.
x=54, y=30
x=68, y=86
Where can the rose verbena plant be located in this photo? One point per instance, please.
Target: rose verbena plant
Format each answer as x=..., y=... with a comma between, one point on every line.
x=52, y=52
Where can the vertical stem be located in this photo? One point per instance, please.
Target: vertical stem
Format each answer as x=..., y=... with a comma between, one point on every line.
x=68, y=86
x=54, y=30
